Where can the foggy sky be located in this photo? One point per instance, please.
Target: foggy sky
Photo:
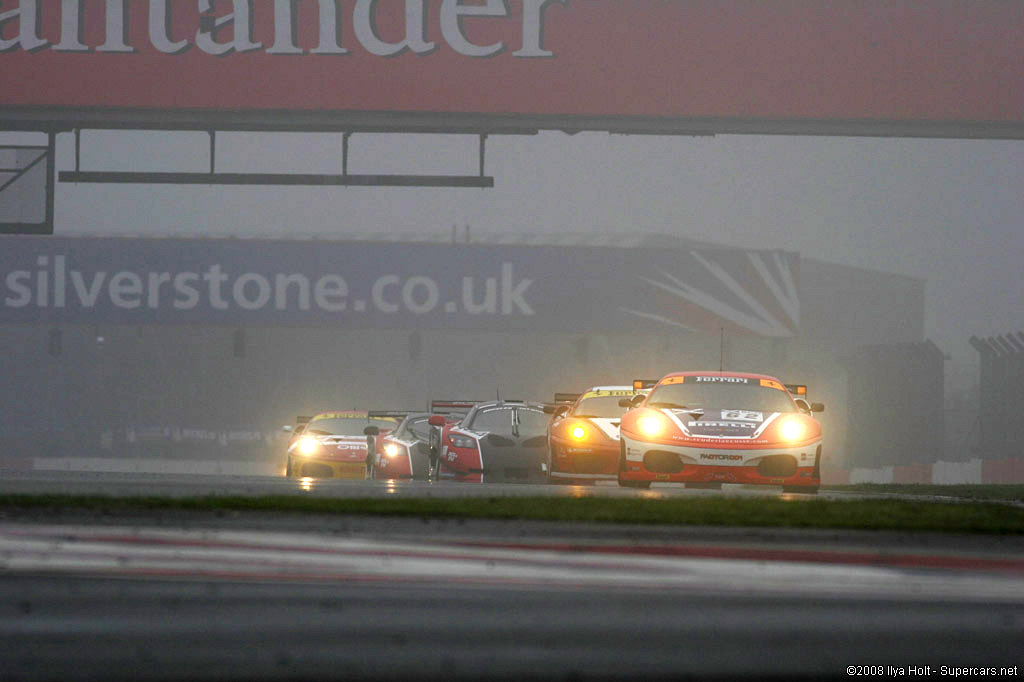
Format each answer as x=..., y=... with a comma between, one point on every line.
x=950, y=211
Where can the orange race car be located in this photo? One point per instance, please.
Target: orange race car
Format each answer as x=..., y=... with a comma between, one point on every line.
x=708, y=428
x=583, y=439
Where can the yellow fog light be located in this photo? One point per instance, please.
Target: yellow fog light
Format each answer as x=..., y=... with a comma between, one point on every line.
x=651, y=425
x=390, y=449
x=308, y=446
x=792, y=430
x=579, y=433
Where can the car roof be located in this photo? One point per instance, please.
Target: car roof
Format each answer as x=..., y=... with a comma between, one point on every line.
x=508, y=403
x=717, y=373
x=350, y=414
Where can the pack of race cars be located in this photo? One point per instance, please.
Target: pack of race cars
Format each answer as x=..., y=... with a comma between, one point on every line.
x=701, y=429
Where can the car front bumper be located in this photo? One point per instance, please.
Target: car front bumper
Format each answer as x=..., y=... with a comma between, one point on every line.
x=576, y=462
x=786, y=466
x=303, y=467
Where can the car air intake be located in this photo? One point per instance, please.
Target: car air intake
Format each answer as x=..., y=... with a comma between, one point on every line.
x=499, y=441
x=777, y=466
x=592, y=464
x=310, y=470
x=662, y=462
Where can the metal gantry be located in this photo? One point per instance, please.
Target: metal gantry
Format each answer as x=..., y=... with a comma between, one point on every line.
x=344, y=179
x=9, y=184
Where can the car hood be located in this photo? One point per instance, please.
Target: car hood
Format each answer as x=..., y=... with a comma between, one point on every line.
x=722, y=423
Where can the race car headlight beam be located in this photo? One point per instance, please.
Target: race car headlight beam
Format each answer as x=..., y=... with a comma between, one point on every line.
x=651, y=425
x=308, y=446
x=578, y=432
x=391, y=450
x=792, y=430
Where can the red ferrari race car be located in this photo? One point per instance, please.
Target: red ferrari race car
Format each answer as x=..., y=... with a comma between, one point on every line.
x=404, y=453
x=333, y=445
x=583, y=439
x=496, y=441
x=708, y=428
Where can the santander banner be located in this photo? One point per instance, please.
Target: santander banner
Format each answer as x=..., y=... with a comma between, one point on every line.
x=904, y=60
x=55, y=280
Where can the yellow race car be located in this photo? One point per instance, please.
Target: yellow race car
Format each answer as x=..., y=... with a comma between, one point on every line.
x=333, y=445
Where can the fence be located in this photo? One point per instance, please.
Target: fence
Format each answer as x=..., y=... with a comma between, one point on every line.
x=1001, y=396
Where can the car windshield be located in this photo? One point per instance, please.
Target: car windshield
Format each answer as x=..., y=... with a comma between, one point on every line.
x=532, y=422
x=494, y=419
x=742, y=396
x=334, y=426
x=414, y=429
x=606, y=407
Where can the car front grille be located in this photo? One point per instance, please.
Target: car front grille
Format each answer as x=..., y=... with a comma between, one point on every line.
x=591, y=464
x=663, y=462
x=777, y=466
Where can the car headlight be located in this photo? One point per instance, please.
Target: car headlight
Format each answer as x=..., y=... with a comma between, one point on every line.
x=308, y=446
x=578, y=432
x=651, y=425
x=792, y=430
x=390, y=449
x=462, y=441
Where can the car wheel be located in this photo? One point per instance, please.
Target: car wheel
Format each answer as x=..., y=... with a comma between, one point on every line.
x=803, y=489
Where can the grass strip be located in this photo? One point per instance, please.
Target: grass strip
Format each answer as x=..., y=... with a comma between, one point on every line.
x=987, y=491
x=882, y=514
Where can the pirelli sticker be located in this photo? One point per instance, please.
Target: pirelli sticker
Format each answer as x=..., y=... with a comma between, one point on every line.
x=352, y=415
x=608, y=394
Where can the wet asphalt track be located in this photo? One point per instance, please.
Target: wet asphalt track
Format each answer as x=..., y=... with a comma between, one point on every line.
x=181, y=485
x=188, y=596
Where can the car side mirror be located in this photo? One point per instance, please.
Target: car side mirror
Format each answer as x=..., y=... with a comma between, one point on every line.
x=625, y=402
x=549, y=409
x=817, y=407
x=371, y=431
x=802, y=405
x=436, y=420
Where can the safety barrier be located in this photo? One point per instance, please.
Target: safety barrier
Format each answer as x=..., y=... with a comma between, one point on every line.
x=1010, y=470
x=129, y=465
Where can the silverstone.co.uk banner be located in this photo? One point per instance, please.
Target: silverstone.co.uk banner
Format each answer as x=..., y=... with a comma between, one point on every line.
x=47, y=280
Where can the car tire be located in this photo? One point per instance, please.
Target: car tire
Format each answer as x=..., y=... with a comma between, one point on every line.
x=802, y=489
